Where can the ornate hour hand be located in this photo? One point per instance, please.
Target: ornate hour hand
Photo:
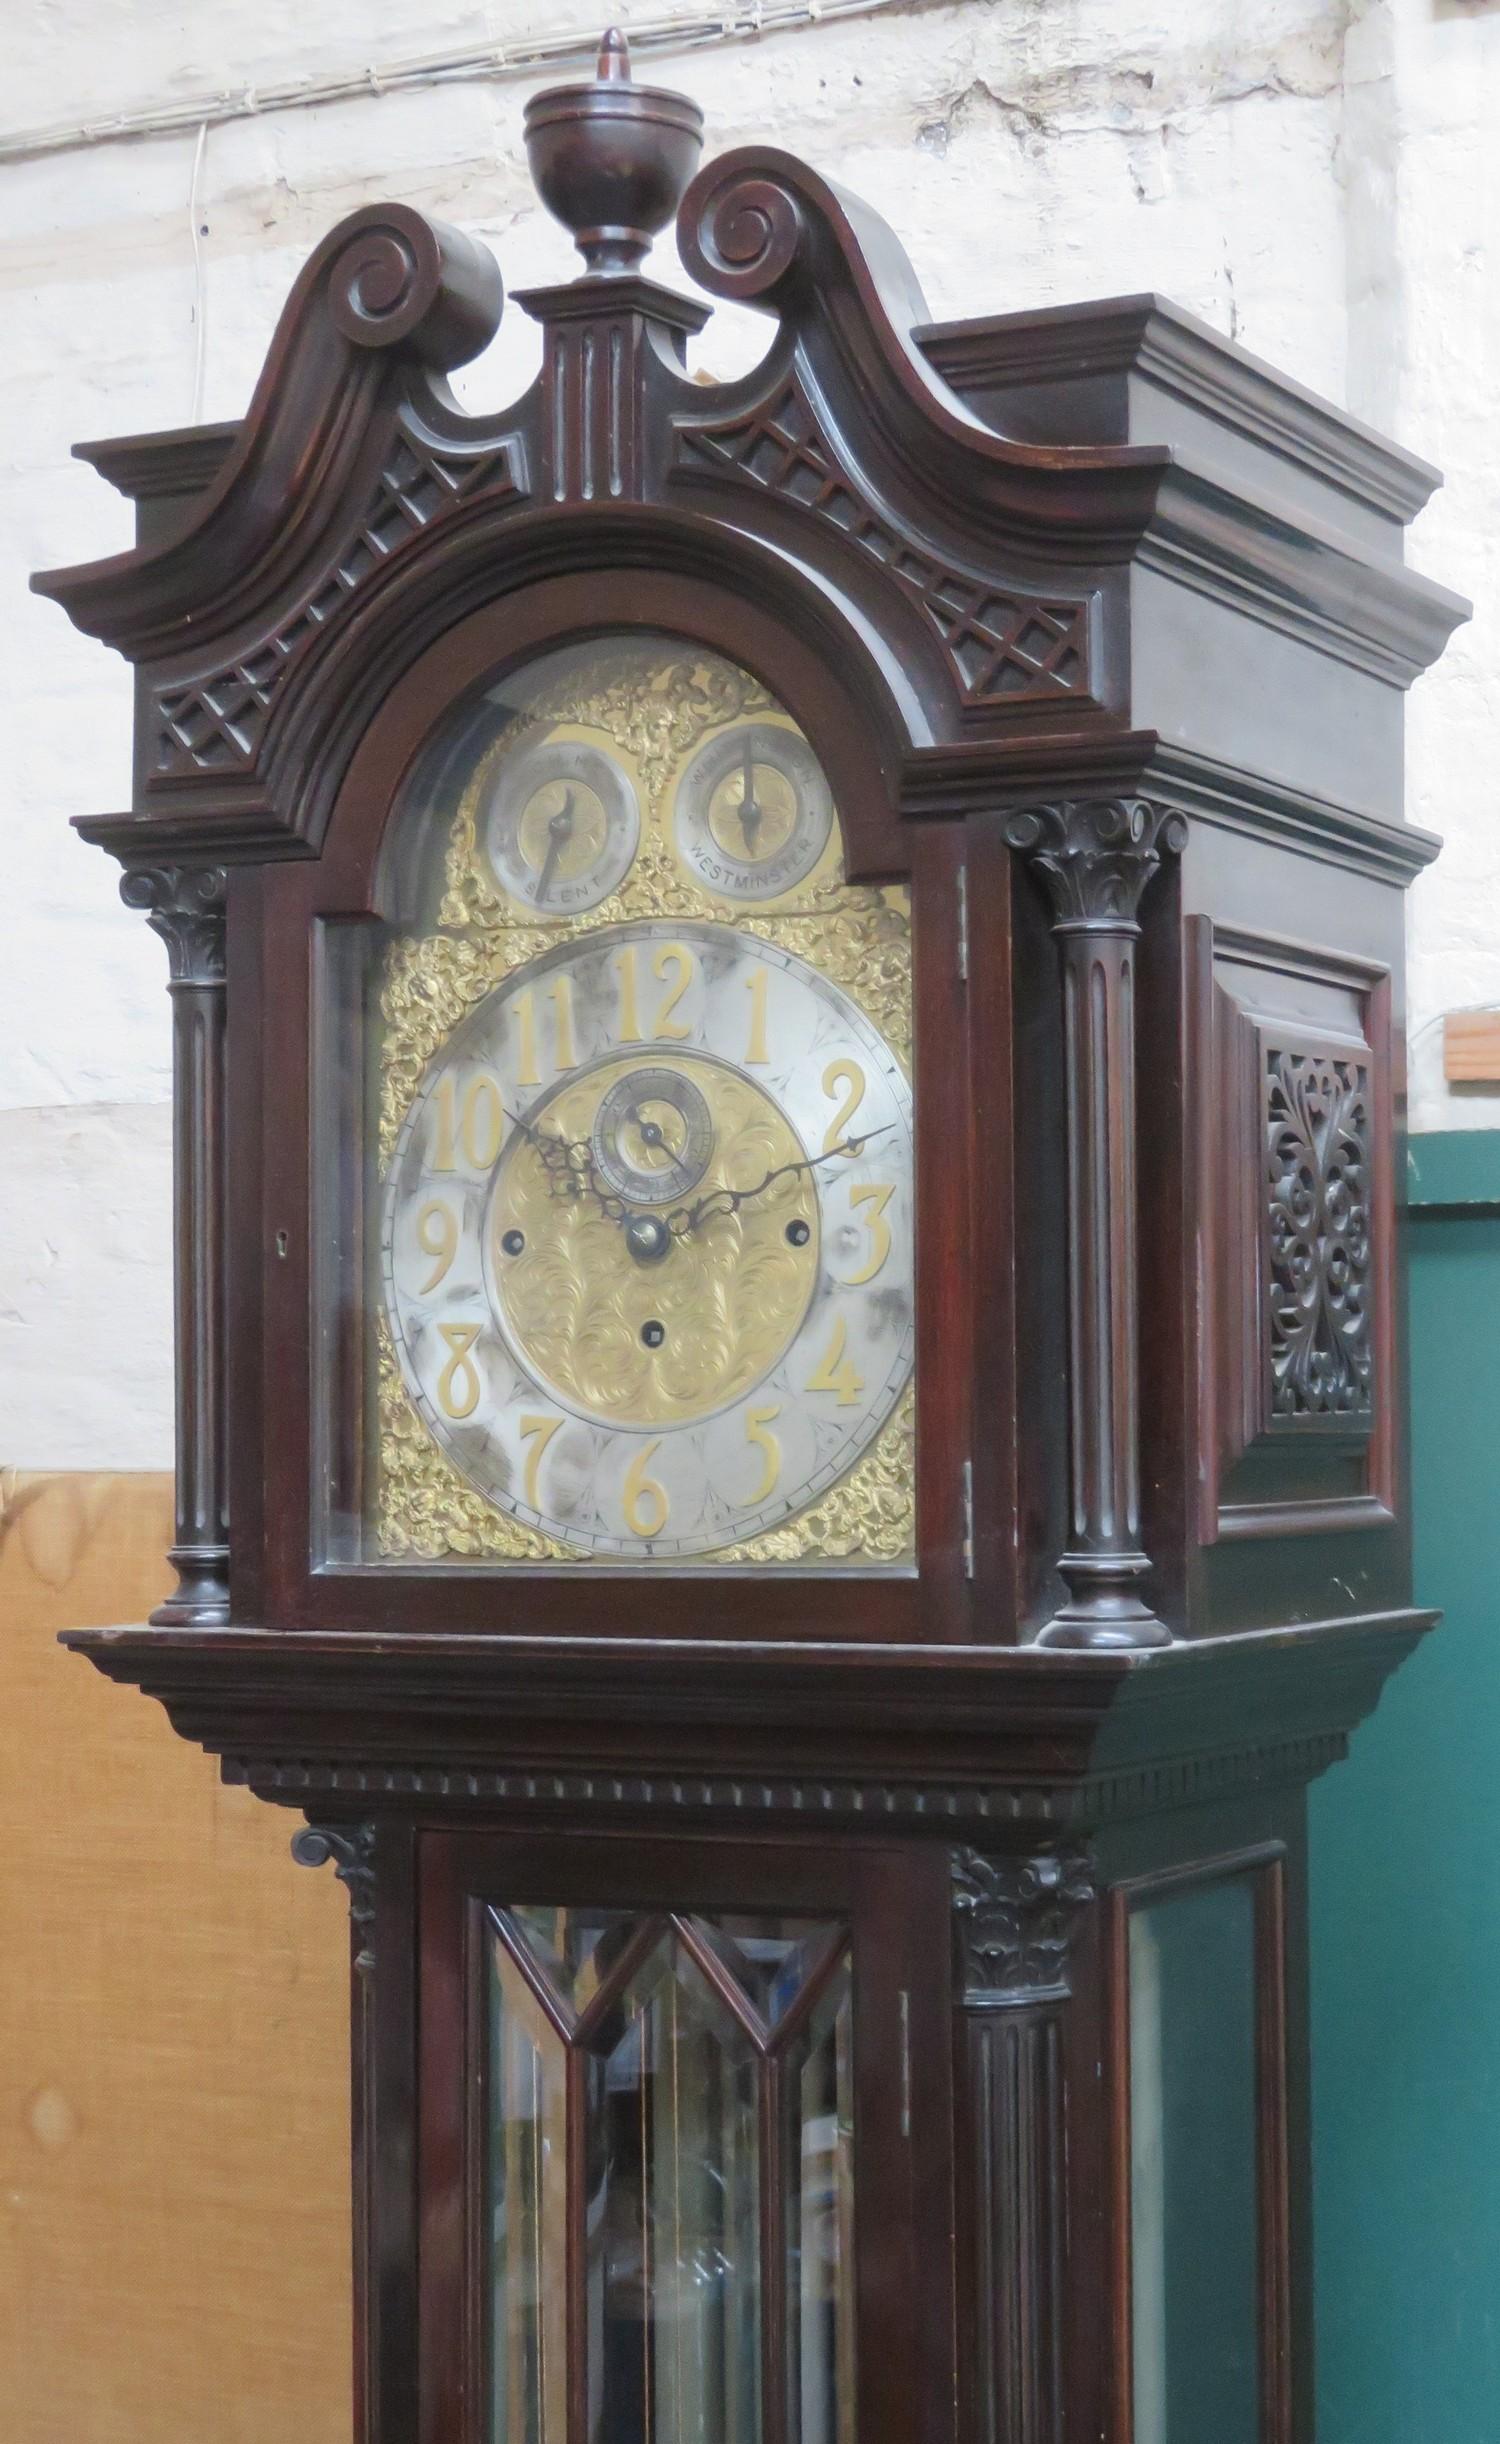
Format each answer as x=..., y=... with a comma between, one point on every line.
x=684, y=1219
x=569, y=1165
x=559, y=833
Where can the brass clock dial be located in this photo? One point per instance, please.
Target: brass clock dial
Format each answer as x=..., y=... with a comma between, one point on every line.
x=643, y=1267
x=648, y=1240
x=753, y=813
x=562, y=825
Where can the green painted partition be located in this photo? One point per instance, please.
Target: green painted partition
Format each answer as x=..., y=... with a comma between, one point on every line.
x=1406, y=1899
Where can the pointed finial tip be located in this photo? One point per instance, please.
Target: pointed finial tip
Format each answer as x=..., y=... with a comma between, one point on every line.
x=614, y=58
x=611, y=158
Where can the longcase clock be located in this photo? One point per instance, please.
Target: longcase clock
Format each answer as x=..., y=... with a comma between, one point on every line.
x=789, y=1340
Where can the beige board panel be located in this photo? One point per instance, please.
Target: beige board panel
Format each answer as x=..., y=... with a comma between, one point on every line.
x=1471, y=1047
x=174, y=2234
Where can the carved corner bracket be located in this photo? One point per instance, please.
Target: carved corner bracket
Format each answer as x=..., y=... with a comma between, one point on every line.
x=1015, y=1920
x=1095, y=857
x=352, y=1851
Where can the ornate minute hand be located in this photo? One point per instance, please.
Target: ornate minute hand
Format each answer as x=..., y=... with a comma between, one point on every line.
x=684, y=1219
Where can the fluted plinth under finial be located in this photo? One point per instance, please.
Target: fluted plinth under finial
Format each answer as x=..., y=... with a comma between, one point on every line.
x=611, y=160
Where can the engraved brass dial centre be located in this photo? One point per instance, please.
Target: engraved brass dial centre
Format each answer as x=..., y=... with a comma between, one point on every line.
x=581, y=1306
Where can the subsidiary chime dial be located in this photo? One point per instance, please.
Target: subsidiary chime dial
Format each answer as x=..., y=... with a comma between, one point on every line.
x=561, y=826
x=753, y=812
x=648, y=1239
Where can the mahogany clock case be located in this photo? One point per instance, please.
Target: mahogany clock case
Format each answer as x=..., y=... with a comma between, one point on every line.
x=1100, y=631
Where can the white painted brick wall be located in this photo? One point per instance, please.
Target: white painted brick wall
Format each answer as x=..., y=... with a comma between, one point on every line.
x=1320, y=180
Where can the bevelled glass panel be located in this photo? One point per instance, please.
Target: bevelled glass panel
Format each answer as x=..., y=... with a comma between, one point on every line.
x=575, y=1948
x=670, y=2192
x=817, y=2097
x=673, y=2216
x=1193, y=2162
x=527, y=2223
x=770, y=1959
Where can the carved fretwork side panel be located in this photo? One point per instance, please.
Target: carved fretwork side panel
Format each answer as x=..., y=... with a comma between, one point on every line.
x=1296, y=1239
x=1319, y=1130
x=1015, y=1923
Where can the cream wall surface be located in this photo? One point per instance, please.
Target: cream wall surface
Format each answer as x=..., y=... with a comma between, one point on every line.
x=1317, y=178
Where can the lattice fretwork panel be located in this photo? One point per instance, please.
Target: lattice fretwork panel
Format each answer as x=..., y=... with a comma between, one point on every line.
x=1001, y=645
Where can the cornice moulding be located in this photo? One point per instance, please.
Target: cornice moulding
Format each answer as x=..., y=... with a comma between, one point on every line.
x=1185, y=357
x=153, y=466
x=1240, y=547
x=918, y=1735
x=992, y=776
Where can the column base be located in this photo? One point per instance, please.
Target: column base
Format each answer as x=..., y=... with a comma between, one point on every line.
x=1104, y=1612
x=200, y=1599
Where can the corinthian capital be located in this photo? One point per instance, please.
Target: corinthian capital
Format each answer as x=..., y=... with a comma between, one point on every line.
x=185, y=906
x=1096, y=856
x=1015, y=1921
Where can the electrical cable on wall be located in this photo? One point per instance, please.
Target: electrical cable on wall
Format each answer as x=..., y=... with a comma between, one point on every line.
x=496, y=62
x=200, y=286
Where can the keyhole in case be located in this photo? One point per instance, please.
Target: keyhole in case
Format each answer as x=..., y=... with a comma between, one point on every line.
x=281, y=1243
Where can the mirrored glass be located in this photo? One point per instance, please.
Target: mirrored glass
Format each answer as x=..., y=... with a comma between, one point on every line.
x=575, y=1948
x=1194, y=2214
x=818, y=2156
x=770, y=1959
x=674, y=2217
x=526, y=2235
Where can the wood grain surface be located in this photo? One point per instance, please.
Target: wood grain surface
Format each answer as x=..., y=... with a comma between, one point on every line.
x=174, y=2233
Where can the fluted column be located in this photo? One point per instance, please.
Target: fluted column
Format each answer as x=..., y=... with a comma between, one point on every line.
x=185, y=906
x=1095, y=857
x=1014, y=1922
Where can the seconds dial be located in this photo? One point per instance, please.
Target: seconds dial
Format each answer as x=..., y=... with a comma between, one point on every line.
x=653, y=1135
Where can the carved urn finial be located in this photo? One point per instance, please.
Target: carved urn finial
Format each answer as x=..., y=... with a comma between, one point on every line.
x=610, y=160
